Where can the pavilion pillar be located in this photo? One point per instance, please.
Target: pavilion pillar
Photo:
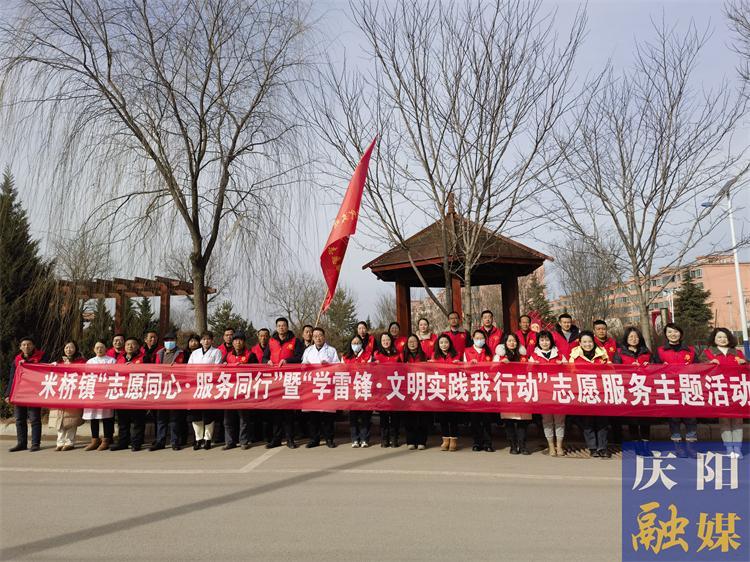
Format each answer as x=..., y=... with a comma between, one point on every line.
x=456, y=290
x=403, y=306
x=511, y=307
x=164, y=306
x=120, y=312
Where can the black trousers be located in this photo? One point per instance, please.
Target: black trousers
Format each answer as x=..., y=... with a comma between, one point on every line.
x=23, y=415
x=282, y=423
x=515, y=431
x=359, y=425
x=321, y=425
x=390, y=423
x=639, y=429
x=595, y=431
x=481, y=428
x=126, y=419
x=237, y=426
x=449, y=423
x=109, y=428
x=417, y=427
x=173, y=420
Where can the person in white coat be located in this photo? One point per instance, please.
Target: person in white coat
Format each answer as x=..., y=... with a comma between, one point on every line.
x=106, y=416
x=203, y=420
x=321, y=421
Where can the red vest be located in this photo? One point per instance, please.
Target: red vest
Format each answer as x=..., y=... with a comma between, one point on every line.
x=400, y=343
x=281, y=351
x=528, y=340
x=380, y=358
x=242, y=359
x=541, y=359
x=459, y=340
x=610, y=346
x=225, y=349
x=683, y=356
x=428, y=345
x=563, y=346
x=363, y=357
x=641, y=359
x=472, y=354
x=116, y=354
x=137, y=359
x=446, y=360
x=493, y=338
x=79, y=359
x=258, y=351
x=580, y=360
x=727, y=359
x=370, y=346
x=36, y=357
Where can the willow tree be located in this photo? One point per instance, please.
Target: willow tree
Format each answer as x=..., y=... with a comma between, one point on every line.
x=181, y=109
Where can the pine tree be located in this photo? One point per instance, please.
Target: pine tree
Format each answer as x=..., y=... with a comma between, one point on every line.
x=536, y=301
x=340, y=319
x=224, y=317
x=692, y=312
x=24, y=279
x=100, y=328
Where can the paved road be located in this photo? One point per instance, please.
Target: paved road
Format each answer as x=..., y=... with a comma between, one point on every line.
x=308, y=504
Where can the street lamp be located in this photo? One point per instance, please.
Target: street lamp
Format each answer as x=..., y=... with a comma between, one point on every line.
x=727, y=191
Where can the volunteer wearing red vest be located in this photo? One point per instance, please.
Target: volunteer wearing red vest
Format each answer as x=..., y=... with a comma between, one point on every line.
x=417, y=423
x=603, y=339
x=307, y=335
x=676, y=352
x=237, y=422
x=459, y=337
x=259, y=349
x=526, y=337
x=283, y=348
x=481, y=422
x=172, y=420
x=445, y=353
x=24, y=414
x=394, y=328
x=126, y=418
x=226, y=342
x=492, y=334
x=566, y=334
x=594, y=427
x=545, y=353
x=118, y=346
x=150, y=347
x=426, y=337
x=633, y=352
x=722, y=350
x=390, y=422
x=359, y=420
x=368, y=341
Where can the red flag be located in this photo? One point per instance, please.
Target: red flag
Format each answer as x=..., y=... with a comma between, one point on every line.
x=344, y=226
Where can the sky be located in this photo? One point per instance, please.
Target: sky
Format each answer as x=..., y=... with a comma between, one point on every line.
x=614, y=28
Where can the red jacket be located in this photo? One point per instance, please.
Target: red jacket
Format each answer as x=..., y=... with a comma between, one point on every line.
x=151, y=356
x=610, y=346
x=381, y=358
x=493, y=338
x=137, y=359
x=258, y=351
x=461, y=340
x=626, y=357
x=683, y=355
x=363, y=357
x=116, y=354
x=731, y=358
x=446, y=360
x=428, y=345
x=583, y=361
x=564, y=347
x=289, y=350
x=537, y=358
x=36, y=357
x=400, y=343
x=243, y=358
x=225, y=349
x=369, y=347
x=480, y=356
x=80, y=359
x=528, y=340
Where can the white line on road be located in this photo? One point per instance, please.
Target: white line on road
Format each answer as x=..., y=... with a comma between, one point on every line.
x=260, y=460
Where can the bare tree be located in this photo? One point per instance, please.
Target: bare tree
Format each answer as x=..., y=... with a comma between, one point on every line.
x=182, y=107
x=463, y=97
x=296, y=296
x=738, y=13
x=385, y=310
x=639, y=154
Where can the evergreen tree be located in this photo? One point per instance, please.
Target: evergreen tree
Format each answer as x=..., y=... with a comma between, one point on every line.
x=100, y=328
x=24, y=279
x=340, y=319
x=536, y=301
x=224, y=317
x=692, y=312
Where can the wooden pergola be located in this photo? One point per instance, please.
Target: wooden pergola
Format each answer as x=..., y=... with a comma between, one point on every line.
x=502, y=262
x=122, y=289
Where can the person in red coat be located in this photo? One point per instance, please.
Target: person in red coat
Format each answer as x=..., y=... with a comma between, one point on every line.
x=417, y=423
x=151, y=347
x=237, y=422
x=492, y=334
x=24, y=414
x=386, y=352
x=481, y=422
x=603, y=339
x=446, y=353
x=259, y=349
x=394, y=328
x=566, y=334
x=526, y=336
x=676, y=352
x=426, y=338
x=545, y=353
x=128, y=418
x=118, y=346
x=368, y=341
x=226, y=342
x=632, y=351
x=460, y=338
x=722, y=350
x=360, y=421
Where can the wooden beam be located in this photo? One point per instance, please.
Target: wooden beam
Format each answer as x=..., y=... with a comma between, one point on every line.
x=511, y=305
x=164, y=303
x=403, y=307
x=456, y=290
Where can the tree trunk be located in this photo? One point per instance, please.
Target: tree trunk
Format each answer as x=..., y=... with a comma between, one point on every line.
x=467, y=318
x=200, y=298
x=645, y=318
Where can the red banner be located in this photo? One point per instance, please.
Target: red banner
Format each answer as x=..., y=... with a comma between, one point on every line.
x=706, y=390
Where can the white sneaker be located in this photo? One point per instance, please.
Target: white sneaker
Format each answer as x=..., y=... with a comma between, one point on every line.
x=364, y=444
x=421, y=447
x=355, y=445
x=412, y=447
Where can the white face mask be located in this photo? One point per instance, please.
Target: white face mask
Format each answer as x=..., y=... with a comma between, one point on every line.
x=170, y=345
x=478, y=343
x=356, y=347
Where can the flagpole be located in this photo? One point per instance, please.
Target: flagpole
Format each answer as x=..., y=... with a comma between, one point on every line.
x=320, y=311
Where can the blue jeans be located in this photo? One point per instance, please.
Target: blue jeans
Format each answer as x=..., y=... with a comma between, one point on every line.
x=691, y=429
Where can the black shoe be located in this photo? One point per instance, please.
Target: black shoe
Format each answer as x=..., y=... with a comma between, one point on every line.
x=594, y=453
x=136, y=448
x=311, y=444
x=385, y=443
x=394, y=443
x=477, y=448
x=229, y=446
x=514, y=450
x=291, y=444
x=207, y=444
x=330, y=444
x=18, y=447
x=604, y=454
x=157, y=447
x=34, y=448
x=272, y=444
x=198, y=444
x=525, y=451
x=176, y=447
x=245, y=446
x=119, y=447
x=489, y=449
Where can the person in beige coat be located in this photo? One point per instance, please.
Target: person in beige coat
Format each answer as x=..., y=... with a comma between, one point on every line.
x=67, y=420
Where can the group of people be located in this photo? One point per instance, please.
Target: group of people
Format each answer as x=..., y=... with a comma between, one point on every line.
x=455, y=345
